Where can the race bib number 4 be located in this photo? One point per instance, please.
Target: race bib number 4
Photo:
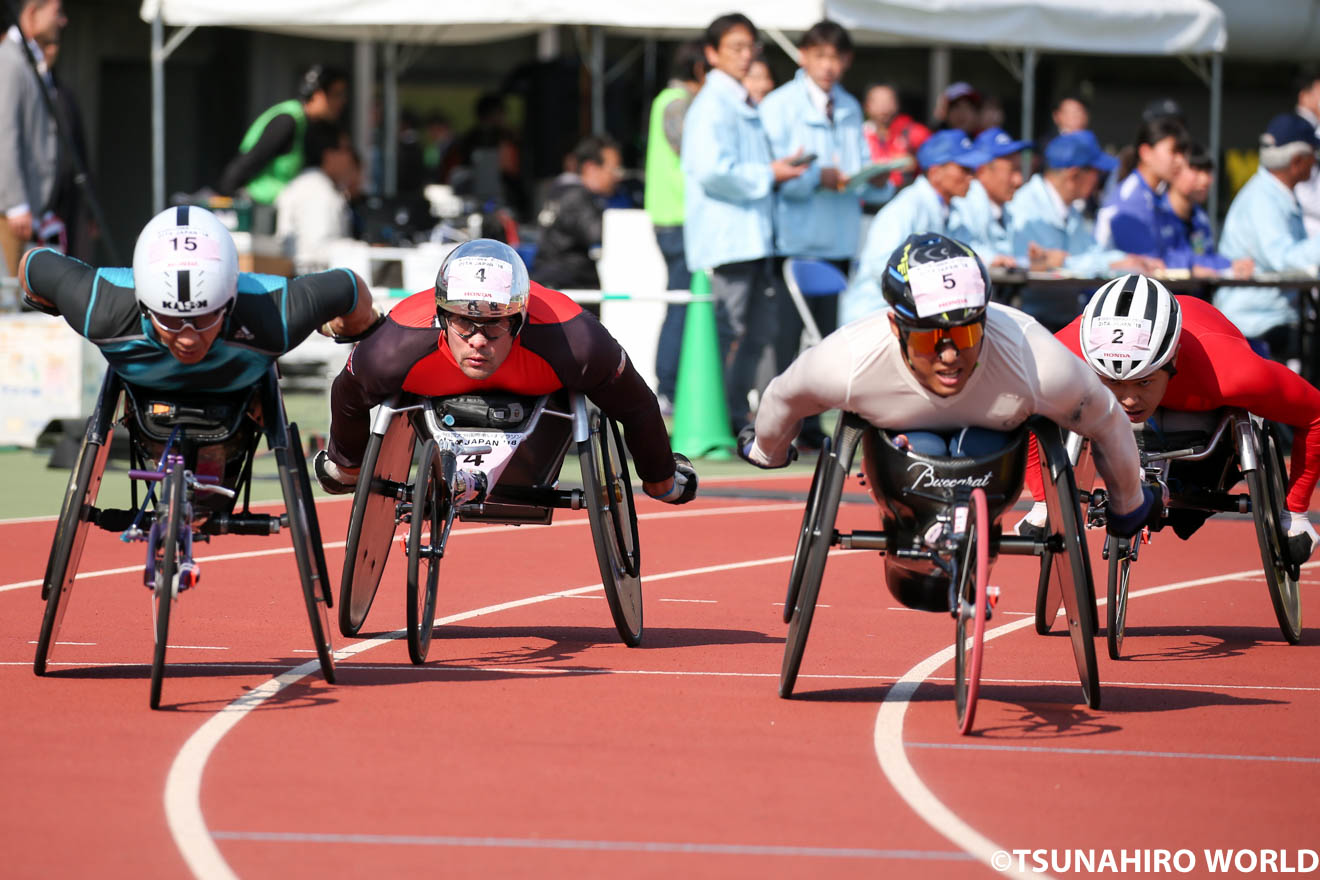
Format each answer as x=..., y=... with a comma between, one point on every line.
x=1119, y=338
x=946, y=286
x=481, y=279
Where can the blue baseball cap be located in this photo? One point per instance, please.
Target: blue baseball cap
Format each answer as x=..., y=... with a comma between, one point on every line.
x=950, y=145
x=1078, y=149
x=1289, y=128
x=996, y=143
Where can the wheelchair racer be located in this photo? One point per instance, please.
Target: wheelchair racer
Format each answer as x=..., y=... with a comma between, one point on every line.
x=486, y=326
x=1162, y=355
x=953, y=372
x=183, y=318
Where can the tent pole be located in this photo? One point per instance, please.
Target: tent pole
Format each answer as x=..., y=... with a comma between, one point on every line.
x=597, y=79
x=389, y=136
x=1028, y=102
x=157, y=114
x=364, y=76
x=940, y=63
x=1216, y=110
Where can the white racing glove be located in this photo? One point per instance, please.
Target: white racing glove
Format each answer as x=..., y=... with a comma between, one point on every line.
x=1035, y=518
x=1299, y=529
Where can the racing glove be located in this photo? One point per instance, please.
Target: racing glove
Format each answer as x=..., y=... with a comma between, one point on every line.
x=747, y=440
x=1033, y=524
x=1302, y=537
x=685, y=482
x=1125, y=525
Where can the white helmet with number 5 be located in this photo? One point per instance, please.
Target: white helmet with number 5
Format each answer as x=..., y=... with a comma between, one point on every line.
x=1130, y=328
x=185, y=263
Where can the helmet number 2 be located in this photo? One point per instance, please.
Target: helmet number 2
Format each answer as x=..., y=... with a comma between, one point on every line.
x=1118, y=336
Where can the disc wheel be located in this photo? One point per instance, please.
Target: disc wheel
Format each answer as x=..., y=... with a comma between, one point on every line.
x=165, y=587
x=308, y=555
x=1116, y=607
x=432, y=516
x=972, y=573
x=607, y=488
x=372, y=524
x=831, y=478
x=1266, y=486
x=809, y=527
x=70, y=536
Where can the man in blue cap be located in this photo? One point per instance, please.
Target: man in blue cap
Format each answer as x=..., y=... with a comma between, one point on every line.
x=1049, y=229
x=980, y=219
x=1265, y=223
x=947, y=161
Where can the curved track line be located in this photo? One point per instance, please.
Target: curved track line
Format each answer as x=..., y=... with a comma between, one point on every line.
x=183, y=804
x=889, y=748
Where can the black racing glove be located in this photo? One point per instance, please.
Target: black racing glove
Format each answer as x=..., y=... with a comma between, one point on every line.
x=1125, y=525
x=685, y=482
x=747, y=437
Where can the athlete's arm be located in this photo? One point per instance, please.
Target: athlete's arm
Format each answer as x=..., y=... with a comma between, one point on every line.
x=338, y=298
x=58, y=285
x=818, y=380
x=276, y=140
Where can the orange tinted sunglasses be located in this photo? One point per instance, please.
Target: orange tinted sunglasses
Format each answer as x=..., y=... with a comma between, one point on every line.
x=927, y=342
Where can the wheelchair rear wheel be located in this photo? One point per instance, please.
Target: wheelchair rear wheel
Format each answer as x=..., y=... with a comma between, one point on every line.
x=1120, y=567
x=307, y=554
x=1048, y=598
x=432, y=516
x=165, y=587
x=607, y=487
x=972, y=575
x=373, y=521
x=1266, y=485
x=810, y=525
x=70, y=536
x=831, y=478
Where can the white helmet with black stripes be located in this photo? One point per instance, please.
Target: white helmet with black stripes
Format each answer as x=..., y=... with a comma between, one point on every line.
x=185, y=263
x=1130, y=328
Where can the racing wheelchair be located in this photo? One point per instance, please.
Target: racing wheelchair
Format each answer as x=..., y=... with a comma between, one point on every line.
x=202, y=448
x=491, y=458
x=941, y=534
x=1194, y=465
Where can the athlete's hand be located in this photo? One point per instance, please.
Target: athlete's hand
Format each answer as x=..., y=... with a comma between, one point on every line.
x=678, y=489
x=1125, y=525
x=747, y=440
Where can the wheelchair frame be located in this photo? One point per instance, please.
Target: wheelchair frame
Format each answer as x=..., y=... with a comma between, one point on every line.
x=818, y=535
x=1260, y=461
x=171, y=527
x=408, y=428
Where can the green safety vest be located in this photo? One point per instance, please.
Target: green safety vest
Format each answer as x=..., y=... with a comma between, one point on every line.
x=664, y=174
x=270, y=180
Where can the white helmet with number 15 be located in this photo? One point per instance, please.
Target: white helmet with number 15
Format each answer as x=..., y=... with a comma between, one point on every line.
x=185, y=263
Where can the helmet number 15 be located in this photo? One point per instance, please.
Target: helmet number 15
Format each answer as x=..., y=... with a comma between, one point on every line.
x=184, y=243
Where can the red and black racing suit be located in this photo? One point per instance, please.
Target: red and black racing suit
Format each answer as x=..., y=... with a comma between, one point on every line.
x=1217, y=368
x=560, y=346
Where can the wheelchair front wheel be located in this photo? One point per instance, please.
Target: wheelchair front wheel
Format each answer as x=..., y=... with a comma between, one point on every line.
x=165, y=587
x=308, y=556
x=432, y=516
x=1120, y=567
x=1266, y=486
x=809, y=527
x=972, y=576
x=607, y=488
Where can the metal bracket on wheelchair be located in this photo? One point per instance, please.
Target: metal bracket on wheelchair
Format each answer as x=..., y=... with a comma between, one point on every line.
x=1097, y=508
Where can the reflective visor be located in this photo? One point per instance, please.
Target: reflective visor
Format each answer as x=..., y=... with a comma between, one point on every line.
x=926, y=342
x=466, y=328
x=176, y=323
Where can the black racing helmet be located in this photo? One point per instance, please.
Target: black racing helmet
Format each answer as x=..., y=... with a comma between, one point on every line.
x=932, y=280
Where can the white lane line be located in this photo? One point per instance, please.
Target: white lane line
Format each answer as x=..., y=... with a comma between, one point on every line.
x=890, y=749
x=694, y=601
x=735, y=849
x=183, y=784
x=475, y=530
x=1111, y=753
x=80, y=644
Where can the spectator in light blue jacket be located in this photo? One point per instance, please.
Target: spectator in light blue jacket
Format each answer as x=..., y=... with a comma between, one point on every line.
x=729, y=201
x=1265, y=223
x=947, y=160
x=1049, y=229
x=980, y=219
x=815, y=217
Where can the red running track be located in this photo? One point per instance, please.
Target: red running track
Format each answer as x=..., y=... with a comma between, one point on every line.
x=534, y=744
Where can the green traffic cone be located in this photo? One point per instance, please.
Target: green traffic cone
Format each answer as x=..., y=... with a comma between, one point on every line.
x=701, y=416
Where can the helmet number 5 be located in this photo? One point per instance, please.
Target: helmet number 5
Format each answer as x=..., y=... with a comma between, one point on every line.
x=949, y=283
